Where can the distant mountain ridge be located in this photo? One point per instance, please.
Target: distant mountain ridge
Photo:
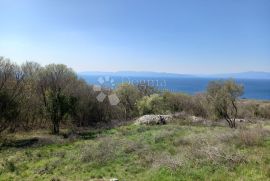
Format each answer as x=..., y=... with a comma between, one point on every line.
x=135, y=74
x=241, y=75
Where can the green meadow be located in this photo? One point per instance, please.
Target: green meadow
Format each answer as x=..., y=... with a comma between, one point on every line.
x=173, y=151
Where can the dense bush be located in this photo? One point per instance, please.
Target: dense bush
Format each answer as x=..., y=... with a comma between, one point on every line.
x=251, y=137
x=11, y=85
x=177, y=102
x=33, y=97
x=200, y=106
x=264, y=111
x=248, y=110
x=128, y=95
x=153, y=104
x=251, y=109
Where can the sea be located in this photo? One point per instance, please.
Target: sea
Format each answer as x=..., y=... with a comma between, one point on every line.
x=253, y=88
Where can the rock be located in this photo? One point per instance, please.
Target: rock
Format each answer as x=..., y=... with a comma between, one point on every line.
x=114, y=179
x=195, y=119
x=153, y=119
x=240, y=120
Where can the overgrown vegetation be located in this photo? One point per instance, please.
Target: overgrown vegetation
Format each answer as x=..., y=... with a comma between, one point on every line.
x=34, y=97
x=168, y=152
x=86, y=144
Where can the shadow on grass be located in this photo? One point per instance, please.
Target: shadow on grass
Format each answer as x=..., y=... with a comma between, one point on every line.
x=89, y=135
x=24, y=143
x=19, y=143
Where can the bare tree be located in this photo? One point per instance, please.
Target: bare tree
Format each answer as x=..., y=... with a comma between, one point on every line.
x=53, y=84
x=11, y=85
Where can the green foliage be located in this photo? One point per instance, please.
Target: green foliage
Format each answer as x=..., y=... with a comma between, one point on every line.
x=193, y=105
x=264, y=111
x=102, y=153
x=153, y=104
x=32, y=95
x=222, y=96
x=9, y=108
x=248, y=110
x=57, y=106
x=168, y=152
x=11, y=81
x=128, y=95
x=254, y=109
x=252, y=136
x=177, y=102
x=55, y=83
x=9, y=166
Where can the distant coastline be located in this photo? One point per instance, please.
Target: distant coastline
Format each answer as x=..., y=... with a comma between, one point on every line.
x=240, y=75
x=258, y=89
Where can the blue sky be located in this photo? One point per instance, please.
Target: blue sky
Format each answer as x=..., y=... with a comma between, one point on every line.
x=180, y=36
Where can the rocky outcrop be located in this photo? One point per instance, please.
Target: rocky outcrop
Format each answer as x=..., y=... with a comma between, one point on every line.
x=114, y=179
x=153, y=119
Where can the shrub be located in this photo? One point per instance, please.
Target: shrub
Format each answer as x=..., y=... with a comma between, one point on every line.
x=177, y=102
x=199, y=105
x=153, y=104
x=55, y=179
x=9, y=166
x=132, y=146
x=223, y=95
x=251, y=136
x=168, y=161
x=146, y=156
x=219, y=155
x=193, y=105
x=248, y=110
x=162, y=136
x=207, y=148
x=264, y=111
x=227, y=137
x=128, y=95
x=100, y=153
x=142, y=129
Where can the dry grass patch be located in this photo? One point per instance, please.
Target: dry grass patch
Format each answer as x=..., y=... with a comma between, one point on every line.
x=252, y=136
x=163, y=135
x=219, y=154
x=102, y=152
x=211, y=148
x=132, y=146
x=168, y=161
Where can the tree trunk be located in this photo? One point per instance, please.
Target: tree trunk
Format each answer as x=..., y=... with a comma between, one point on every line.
x=234, y=123
x=55, y=127
x=231, y=123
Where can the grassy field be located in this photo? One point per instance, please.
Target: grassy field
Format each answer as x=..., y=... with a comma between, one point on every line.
x=160, y=152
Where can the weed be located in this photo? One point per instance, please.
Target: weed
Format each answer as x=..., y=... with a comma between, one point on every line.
x=251, y=136
x=9, y=166
x=165, y=160
x=100, y=153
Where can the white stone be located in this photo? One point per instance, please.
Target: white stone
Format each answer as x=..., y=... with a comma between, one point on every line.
x=153, y=119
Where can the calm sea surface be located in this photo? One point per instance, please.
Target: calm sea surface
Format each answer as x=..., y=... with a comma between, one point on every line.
x=253, y=89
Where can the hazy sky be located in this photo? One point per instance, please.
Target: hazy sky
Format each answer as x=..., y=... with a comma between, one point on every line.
x=181, y=36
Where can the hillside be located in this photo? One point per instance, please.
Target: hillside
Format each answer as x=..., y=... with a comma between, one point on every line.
x=176, y=151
